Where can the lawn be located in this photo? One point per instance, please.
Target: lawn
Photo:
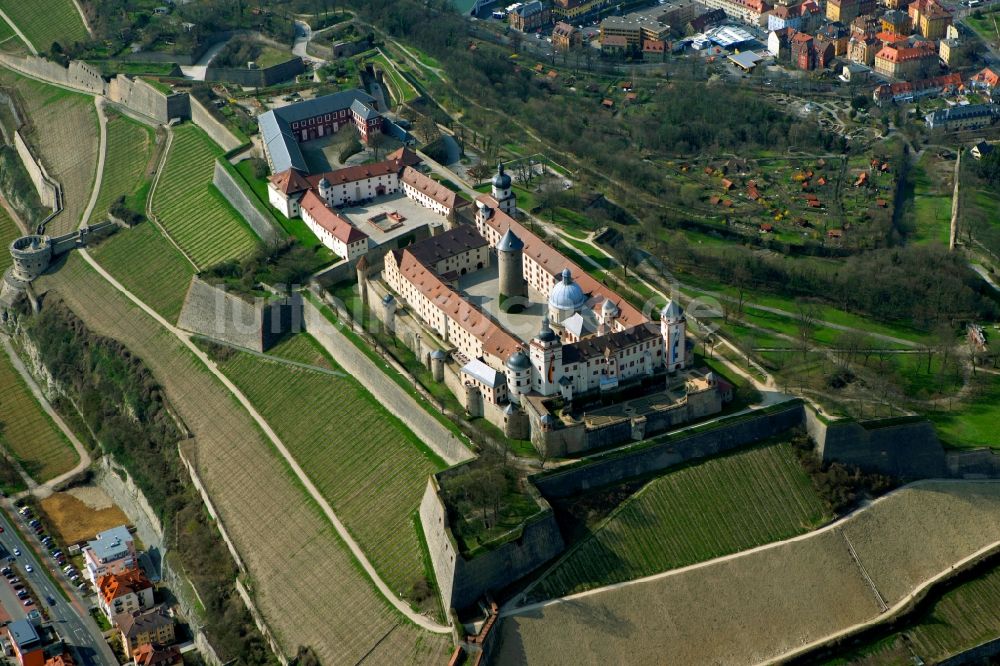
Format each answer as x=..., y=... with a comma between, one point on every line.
x=130, y=147
x=370, y=467
x=28, y=432
x=149, y=266
x=930, y=207
x=192, y=211
x=986, y=25
x=693, y=514
x=46, y=22
x=973, y=423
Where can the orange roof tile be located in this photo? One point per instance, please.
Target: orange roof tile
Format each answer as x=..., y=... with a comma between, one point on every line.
x=326, y=218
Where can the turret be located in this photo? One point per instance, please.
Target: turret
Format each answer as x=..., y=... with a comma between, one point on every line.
x=546, y=359
x=389, y=312
x=502, y=191
x=673, y=325
x=510, y=260
x=361, y=268
x=325, y=190
x=518, y=375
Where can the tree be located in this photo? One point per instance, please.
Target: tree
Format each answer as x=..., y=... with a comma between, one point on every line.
x=480, y=172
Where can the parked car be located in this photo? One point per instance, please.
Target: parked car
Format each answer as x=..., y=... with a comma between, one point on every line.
x=22, y=594
x=35, y=522
x=5, y=571
x=68, y=568
x=81, y=586
x=28, y=602
x=17, y=552
x=51, y=600
x=75, y=578
x=1, y=529
x=29, y=568
x=19, y=586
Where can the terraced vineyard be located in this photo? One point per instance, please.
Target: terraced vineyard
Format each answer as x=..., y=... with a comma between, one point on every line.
x=304, y=580
x=369, y=466
x=697, y=513
x=149, y=266
x=192, y=211
x=46, y=22
x=302, y=348
x=68, y=144
x=27, y=431
x=8, y=232
x=130, y=147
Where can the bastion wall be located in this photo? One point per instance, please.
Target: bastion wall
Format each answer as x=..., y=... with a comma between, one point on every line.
x=145, y=99
x=235, y=195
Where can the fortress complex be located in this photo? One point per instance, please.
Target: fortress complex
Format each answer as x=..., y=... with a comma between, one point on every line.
x=357, y=208
x=585, y=340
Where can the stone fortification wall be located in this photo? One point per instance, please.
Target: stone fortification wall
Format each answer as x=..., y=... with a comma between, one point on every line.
x=462, y=582
x=258, y=78
x=145, y=99
x=213, y=312
x=904, y=448
x=388, y=392
x=981, y=654
x=241, y=201
x=215, y=129
x=47, y=188
x=79, y=75
x=977, y=463
x=654, y=456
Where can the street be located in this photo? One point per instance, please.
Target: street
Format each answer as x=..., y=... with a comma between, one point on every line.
x=72, y=622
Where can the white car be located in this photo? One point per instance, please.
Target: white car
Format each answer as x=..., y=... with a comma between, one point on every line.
x=28, y=568
x=17, y=552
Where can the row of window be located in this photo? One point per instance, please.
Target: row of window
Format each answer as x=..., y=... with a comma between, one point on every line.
x=316, y=120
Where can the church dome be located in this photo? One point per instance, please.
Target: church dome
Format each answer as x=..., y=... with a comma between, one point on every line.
x=566, y=295
x=518, y=361
x=501, y=180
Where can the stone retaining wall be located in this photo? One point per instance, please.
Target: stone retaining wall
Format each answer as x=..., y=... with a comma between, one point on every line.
x=240, y=200
x=47, y=188
x=79, y=75
x=215, y=129
x=256, y=78
x=145, y=99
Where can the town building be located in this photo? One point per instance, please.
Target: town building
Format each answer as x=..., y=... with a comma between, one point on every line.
x=26, y=643
x=779, y=43
x=152, y=626
x=566, y=37
x=570, y=10
x=835, y=34
x=973, y=116
x=680, y=14
x=803, y=16
x=929, y=18
x=124, y=592
x=896, y=22
x=150, y=655
x=61, y=659
x=530, y=16
x=703, y=22
x=807, y=55
x=282, y=129
x=980, y=150
x=614, y=45
x=636, y=29
x=986, y=79
x=953, y=51
x=907, y=91
x=113, y=551
x=861, y=49
x=746, y=11
x=906, y=62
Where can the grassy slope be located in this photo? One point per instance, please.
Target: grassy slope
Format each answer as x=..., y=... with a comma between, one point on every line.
x=694, y=514
x=192, y=210
x=302, y=348
x=354, y=450
x=130, y=146
x=46, y=22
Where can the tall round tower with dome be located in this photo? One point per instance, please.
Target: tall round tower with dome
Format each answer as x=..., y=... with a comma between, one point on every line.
x=510, y=265
x=503, y=192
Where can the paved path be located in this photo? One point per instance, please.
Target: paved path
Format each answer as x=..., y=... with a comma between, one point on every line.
x=102, y=153
x=46, y=489
x=985, y=274
x=197, y=70
x=31, y=47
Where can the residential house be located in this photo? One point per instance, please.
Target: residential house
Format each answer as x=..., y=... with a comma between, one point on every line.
x=953, y=51
x=803, y=16
x=986, y=79
x=566, y=36
x=779, y=43
x=845, y=11
x=124, y=592
x=972, y=116
x=896, y=22
x=836, y=34
x=929, y=18
x=907, y=91
x=614, y=45
x=113, y=551
x=746, y=11
x=26, y=643
x=61, y=659
x=854, y=71
x=803, y=52
x=981, y=149
x=862, y=49
x=906, y=62
x=530, y=16
x=152, y=626
x=149, y=655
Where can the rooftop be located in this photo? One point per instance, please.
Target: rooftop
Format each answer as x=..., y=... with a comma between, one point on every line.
x=111, y=544
x=447, y=244
x=132, y=624
x=23, y=634
x=387, y=218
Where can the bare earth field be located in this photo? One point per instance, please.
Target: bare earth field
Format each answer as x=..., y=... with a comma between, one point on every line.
x=302, y=577
x=75, y=516
x=765, y=603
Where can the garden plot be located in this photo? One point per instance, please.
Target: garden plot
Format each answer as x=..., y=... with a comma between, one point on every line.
x=308, y=587
x=46, y=22
x=691, y=515
x=765, y=603
x=65, y=133
x=363, y=459
x=27, y=432
x=192, y=211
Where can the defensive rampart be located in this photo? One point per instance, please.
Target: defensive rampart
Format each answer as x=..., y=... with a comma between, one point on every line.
x=255, y=324
x=240, y=200
x=257, y=78
x=145, y=99
x=47, y=188
x=219, y=133
x=78, y=75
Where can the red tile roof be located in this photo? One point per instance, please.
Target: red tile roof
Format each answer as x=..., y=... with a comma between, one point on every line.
x=326, y=218
x=432, y=188
x=290, y=181
x=113, y=586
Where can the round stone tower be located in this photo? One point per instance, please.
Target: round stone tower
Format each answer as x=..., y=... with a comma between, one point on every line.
x=438, y=358
x=510, y=263
x=31, y=256
x=389, y=312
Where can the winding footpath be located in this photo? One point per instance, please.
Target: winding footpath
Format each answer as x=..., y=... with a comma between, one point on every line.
x=17, y=31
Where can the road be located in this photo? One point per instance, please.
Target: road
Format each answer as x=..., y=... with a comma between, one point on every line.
x=197, y=71
x=72, y=621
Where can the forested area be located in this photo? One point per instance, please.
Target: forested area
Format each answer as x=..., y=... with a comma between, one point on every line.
x=122, y=404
